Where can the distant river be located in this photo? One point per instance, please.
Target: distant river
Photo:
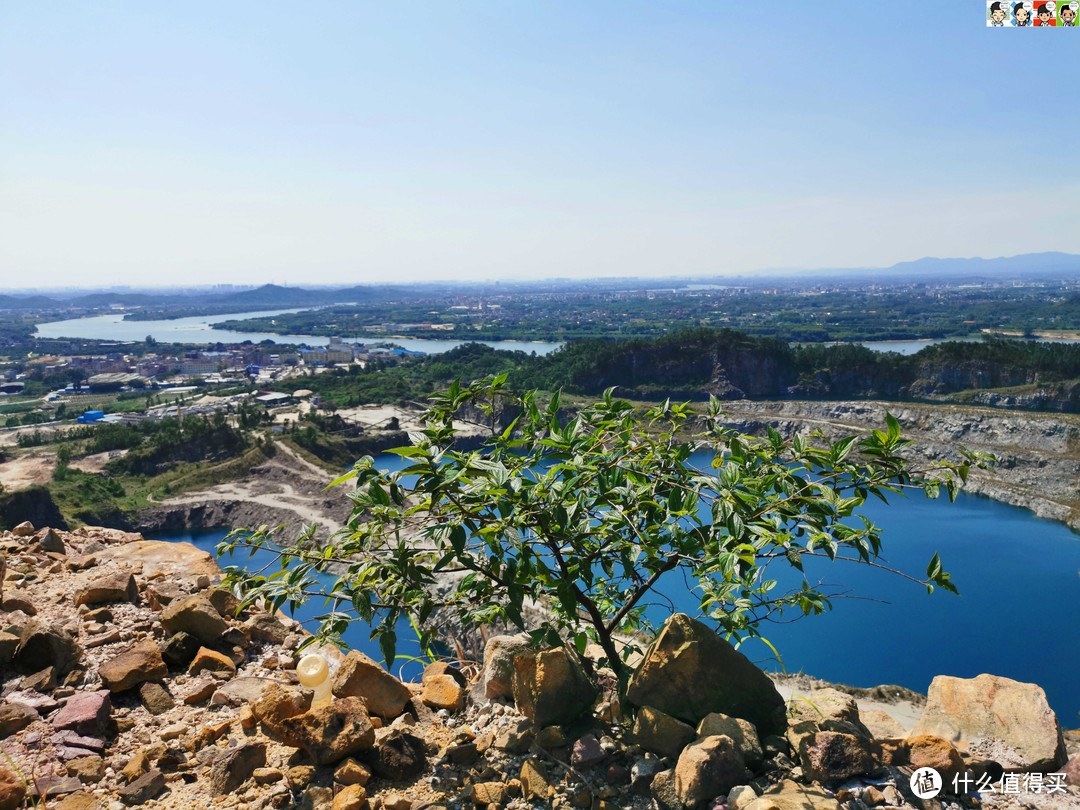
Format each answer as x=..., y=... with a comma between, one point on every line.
x=1016, y=615
x=198, y=329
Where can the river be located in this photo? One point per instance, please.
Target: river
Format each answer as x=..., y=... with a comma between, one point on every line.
x=1015, y=616
x=199, y=329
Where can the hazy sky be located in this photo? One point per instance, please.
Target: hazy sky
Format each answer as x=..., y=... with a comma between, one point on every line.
x=323, y=142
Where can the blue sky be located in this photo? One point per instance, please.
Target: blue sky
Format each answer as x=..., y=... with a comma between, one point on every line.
x=355, y=142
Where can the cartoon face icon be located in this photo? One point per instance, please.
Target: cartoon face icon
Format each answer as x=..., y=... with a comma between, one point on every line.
x=1068, y=15
x=1045, y=15
x=1021, y=14
x=997, y=13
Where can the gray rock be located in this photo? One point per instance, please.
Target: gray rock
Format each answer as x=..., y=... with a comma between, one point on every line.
x=236, y=766
x=499, y=655
x=143, y=789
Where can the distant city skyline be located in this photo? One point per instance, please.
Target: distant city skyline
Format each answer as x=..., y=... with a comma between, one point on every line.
x=372, y=142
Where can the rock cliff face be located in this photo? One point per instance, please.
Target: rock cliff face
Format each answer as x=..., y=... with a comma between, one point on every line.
x=1038, y=454
x=128, y=679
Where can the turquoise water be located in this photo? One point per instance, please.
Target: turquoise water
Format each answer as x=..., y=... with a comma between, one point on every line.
x=1016, y=616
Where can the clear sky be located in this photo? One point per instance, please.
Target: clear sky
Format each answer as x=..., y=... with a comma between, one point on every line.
x=164, y=143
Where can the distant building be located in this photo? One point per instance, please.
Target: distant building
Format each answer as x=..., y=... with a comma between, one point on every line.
x=91, y=417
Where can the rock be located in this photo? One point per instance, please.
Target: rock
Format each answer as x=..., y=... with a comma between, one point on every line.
x=155, y=698
x=587, y=752
x=1072, y=771
x=179, y=649
x=78, y=801
x=86, y=713
x=12, y=790
x=8, y=644
x=243, y=690
x=264, y=627
x=49, y=541
x=824, y=710
x=924, y=750
x=550, y=686
x=351, y=772
x=143, y=789
x=485, y=793
x=740, y=796
x=161, y=593
x=179, y=560
x=15, y=717
x=790, y=795
x=24, y=529
x=42, y=645
x=535, y=781
x=19, y=600
x=140, y=662
x=236, y=766
x=136, y=766
x=444, y=687
x=43, y=703
x=88, y=770
x=44, y=681
x=223, y=601
x=267, y=776
x=399, y=755
x=278, y=703
x=197, y=616
x=316, y=797
x=689, y=672
x=352, y=797
x=53, y=785
x=708, y=768
x=831, y=757
x=642, y=774
x=300, y=775
x=332, y=732
x=207, y=660
x=880, y=724
x=359, y=676
x=990, y=708
x=661, y=733
x=741, y=732
x=663, y=791
x=114, y=586
x=200, y=690
x=499, y=655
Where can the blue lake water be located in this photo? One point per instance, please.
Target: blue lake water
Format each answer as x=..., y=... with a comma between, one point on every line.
x=1016, y=615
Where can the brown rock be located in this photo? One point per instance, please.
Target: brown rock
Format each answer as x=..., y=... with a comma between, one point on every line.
x=880, y=724
x=661, y=733
x=8, y=644
x=136, y=766
x=179, y=649
x=485, y=793
x=351, y=772
x=12, y=790
x=398, y=755
x=24, y=529
x=535, y=781
x=19, y=600
x=830, y=757
x=264, y=627
x=352, y=797
x=359, y=676
x=78, y=801
x=267, y=776
x=1072, y=771
x=143, y=789
x=212, y=732
x=179, y=560
x=550, y=686
x=197, y=617
x=741, y=732
x=114, y=586
x=790, y=795
x=300, y=775
x=278, y=703
x=137, y=664
x=155, y=698
x=992, y=708
x=824, y=710
x=689, y=672
x=443, y=692
x=708, y=768
x=499, y=655
x=236, y=766
x=207, y=660
x=43, y=645
x=89, y=770
x=199, y=691
x=15, y=717
x=332, y=732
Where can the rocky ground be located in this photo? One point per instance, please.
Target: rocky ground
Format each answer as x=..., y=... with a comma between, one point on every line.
x=129, y=680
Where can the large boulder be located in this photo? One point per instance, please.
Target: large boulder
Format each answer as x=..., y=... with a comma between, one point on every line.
x=43, y=645
x=360, y=676
x=499, y=655
x=831, y=757
x=176, y=560
x=331, y=733
x=197, y=616
x=689, y=672
x=112, y=586
x=824, y=710
x=550, y=686
x=137, y=664
x=995, y=718
x=708, y=768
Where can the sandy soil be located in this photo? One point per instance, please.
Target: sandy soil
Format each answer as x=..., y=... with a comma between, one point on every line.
x=96, y=463
x=27, y=470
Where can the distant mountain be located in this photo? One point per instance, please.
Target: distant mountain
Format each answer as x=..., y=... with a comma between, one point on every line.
x=27, y=302
x=1026, y=265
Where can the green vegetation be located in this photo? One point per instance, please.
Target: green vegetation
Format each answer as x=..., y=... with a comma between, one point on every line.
x=586, y=514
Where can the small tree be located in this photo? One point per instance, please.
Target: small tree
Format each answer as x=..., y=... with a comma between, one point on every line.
x=585, y=515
